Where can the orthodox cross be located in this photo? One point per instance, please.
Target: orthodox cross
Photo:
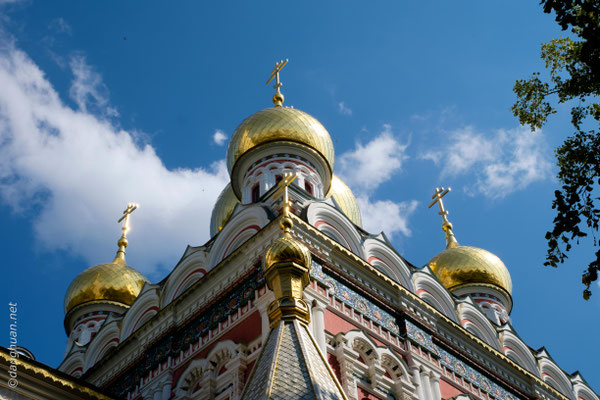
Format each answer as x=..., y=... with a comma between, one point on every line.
x=278, y=97
x=283, y=185
x=131, y=207
x=446, y=225
x=439, y=193
x=275, y=73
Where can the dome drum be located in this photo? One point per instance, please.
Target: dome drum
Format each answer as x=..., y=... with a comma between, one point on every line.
x=490, y=293
x=296, y=152
x=263, y=175
x=103, y=307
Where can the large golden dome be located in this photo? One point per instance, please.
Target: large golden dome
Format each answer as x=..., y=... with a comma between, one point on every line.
x=460, y=266
x=113, y=282
x=279, y=124
x=222, y=210
x=345, y=199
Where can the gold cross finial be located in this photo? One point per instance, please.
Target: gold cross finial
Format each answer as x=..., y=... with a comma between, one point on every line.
x=278, y=97
x=446, y=225
x=286, y=222
x=131, y=207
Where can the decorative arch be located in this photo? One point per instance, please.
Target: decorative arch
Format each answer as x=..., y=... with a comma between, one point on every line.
x=395, y=366
x=428, y=288
x=190, y=378
x=378, y=361
x=336, y=225
x=141, y=311
x=473, y=320
x=581, y=390
x=553, y=375
x=515, y=349
x=240, y=228
x=191, y=268
x=204, y=372
x=379, y=255
x=73, y=364
x=106, y=339
x=221, y=354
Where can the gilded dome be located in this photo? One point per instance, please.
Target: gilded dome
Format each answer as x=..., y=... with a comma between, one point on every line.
x=460, y=266
x=344, y=197
x=286, y=249
x=115, y=282
x=279, y=124
x=223, y=209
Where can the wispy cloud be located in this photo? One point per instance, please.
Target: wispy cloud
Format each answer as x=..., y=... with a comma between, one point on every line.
x=87, y=88
x=77, y=170
x=344, y=109
x=59, y=25
x=502, y=163
x=368, y=166
x=219, y=137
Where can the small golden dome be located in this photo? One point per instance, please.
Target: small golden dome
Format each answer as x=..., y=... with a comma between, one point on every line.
x=344, y=197
x=115, y=282
x=279, y=124
x=223, y=209
x=460, y=266
x=286, y=249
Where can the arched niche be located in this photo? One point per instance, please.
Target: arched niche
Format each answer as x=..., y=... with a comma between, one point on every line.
x=473, y=320
x=191, y=268
x=105, y=339
x=382, y=257
x=141, y=311
x=336, y=225
x=242, y=227
x=515, y=349
x=428, y=288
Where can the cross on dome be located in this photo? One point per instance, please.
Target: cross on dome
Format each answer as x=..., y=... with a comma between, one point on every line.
x=131, y=207
x=446, y=225
x=278, y=97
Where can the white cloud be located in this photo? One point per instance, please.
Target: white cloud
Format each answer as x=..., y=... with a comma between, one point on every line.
x=506, y=162
x=219, y=137
x=364, y=169
x=386, y=215
x=344, y=109
x=368, y=166
x=77, y=171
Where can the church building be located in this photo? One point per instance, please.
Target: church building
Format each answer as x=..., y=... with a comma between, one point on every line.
x=292, y=299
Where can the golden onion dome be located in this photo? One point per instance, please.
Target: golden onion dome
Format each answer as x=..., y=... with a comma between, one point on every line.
x=223, y=209
x=460, y=266
x=344, y=197
x=286, y=249
x=279, y=124
x=112, y=282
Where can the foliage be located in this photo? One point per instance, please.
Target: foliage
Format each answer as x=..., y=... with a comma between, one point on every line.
x=573, y=78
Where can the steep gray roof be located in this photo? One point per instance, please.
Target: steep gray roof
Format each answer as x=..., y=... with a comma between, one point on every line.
x=291, y=367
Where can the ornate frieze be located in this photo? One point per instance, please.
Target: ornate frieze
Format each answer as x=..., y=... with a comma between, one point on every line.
x=457, y=366
x=180, y=339
x=354, y=300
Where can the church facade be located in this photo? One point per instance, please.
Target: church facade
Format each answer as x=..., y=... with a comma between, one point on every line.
x=292, y=299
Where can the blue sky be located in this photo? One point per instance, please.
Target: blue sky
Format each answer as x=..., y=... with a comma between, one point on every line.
x=103, y=104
